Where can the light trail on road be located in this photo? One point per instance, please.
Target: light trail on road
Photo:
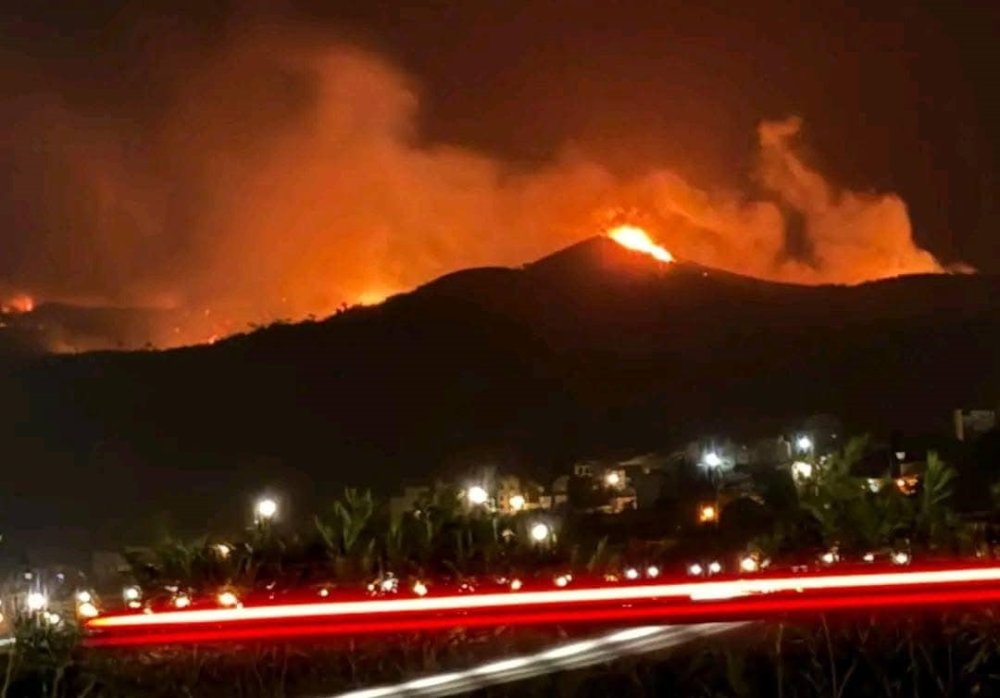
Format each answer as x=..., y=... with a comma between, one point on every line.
x=759, y=596
x=565, y=657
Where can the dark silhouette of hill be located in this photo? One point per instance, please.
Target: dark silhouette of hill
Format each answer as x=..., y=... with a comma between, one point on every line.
x=592, y=348
x=73, y=328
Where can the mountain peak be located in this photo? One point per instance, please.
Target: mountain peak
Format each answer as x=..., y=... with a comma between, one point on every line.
x=599, y=254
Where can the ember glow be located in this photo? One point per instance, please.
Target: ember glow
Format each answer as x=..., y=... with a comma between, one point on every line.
x=18, y=303
x=637, y=239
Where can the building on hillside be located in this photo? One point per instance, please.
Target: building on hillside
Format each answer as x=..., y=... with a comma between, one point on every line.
x=596, y=486
x=770, y=451
x=620, y=502
x=646, y=475
x=409, y=500
x=971, y=424
x=107, y=568
x=515, y=494
x=560, y=492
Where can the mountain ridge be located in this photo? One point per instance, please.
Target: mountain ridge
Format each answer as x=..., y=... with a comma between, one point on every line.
x=594, y=347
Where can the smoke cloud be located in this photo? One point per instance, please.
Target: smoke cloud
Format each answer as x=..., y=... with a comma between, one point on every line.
x=287, y=178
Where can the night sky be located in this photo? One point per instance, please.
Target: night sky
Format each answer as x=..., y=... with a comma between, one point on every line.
x=896, y=94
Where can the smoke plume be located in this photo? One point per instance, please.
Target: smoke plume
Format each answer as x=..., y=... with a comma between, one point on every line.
x=288, y=178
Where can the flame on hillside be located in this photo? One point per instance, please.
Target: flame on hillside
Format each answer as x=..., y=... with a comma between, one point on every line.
x=635, y=238
x=265, y=209
x=16, y=304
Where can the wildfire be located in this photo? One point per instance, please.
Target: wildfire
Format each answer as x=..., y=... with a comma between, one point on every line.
x=20, y=303
x=635, y=238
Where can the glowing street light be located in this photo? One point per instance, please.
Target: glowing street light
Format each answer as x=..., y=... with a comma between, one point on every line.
x=36, y=601
x=708, y=513
x=223, y=550
x=477, y=495
x=84, y=596
x=265, y=509
x=803, y=443
x=517, y=502
x=801, y=470
x=227, y=599
x=907, y=484
x=613, y=478
x=131, y=593
x=712, y=460
x=540, y=532
x=87, y=609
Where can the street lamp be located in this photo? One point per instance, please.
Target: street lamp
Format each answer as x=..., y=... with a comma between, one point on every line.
x=227, y=599
x=87, y=609
x=712, y=460
x=801, y=470
x=804, y=443
x=36, y=601
x=613, y=478
x=477, y=495
x=540, y=532
x=265, y=509
x=516, y=502
x=708, y=513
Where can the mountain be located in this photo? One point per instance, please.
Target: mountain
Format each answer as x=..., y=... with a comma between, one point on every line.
x=74, y=328
x=593, y=348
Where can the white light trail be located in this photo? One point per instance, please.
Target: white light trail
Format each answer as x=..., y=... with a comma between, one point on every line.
x=560, y=658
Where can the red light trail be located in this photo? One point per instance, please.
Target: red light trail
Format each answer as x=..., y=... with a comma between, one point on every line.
x=741, y=598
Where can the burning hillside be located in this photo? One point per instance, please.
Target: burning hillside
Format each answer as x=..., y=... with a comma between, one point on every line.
x=17, y=304
x=635, y=238
x=233, y=217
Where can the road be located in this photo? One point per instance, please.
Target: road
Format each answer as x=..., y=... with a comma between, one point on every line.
x=684, y=601
x=563, y=657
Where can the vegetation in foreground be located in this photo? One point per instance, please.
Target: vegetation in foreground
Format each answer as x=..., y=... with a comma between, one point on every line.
x=357, y=542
